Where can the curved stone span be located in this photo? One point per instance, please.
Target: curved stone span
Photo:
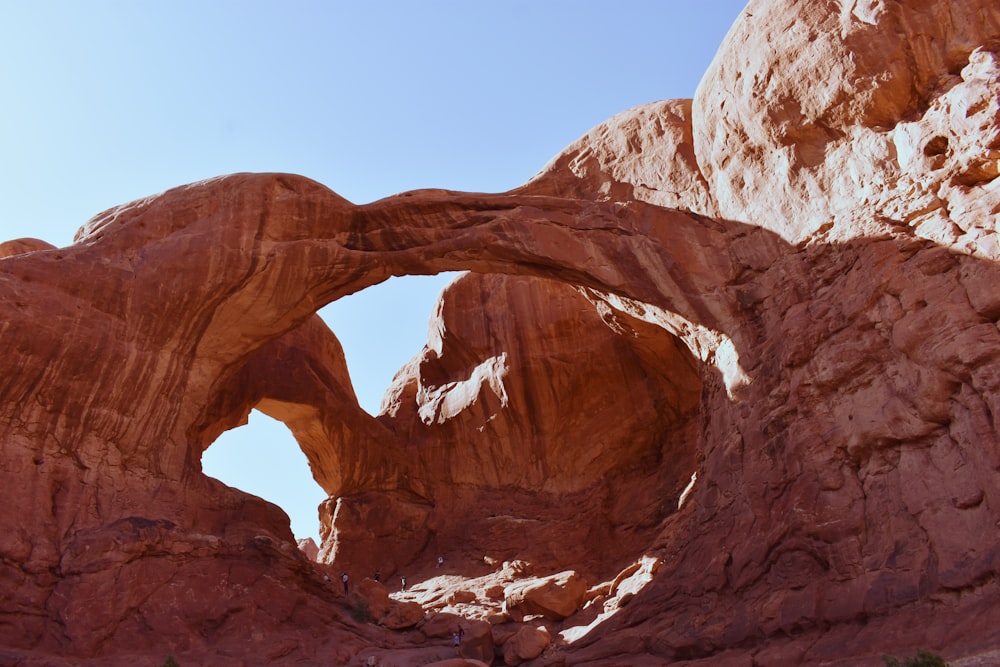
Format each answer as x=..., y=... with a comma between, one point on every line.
x=129, y=343
x=184, y=287
x=526, y=406
x=829, y=307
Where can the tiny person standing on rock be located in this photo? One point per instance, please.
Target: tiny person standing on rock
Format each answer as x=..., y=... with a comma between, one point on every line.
x=343, y=579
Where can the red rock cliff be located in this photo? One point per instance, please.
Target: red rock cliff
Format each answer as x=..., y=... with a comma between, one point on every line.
x=789, y=286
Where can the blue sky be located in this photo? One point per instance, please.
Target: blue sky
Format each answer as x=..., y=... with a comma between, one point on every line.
x=105, y=102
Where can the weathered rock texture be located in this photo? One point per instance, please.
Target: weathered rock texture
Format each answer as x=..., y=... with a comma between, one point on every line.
x=512, y=431
x=788, y=286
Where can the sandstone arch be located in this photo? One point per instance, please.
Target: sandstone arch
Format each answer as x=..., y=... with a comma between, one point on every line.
x=310, y=246
x=88, y=517
x=848, y=446
x=178, y=292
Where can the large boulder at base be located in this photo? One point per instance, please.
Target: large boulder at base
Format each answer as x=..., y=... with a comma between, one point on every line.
x=373, y=596
x=526, y=643
x=477, y=641
x=554, y=597
x=441, y=624
x=403, y=614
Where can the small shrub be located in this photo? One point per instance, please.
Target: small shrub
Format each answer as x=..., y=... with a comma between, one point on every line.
x=922, y=659
x=170, y=662
x=360, y=611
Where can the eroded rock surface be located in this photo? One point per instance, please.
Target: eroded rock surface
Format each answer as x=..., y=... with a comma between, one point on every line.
x=555, y=597
x=743, y=371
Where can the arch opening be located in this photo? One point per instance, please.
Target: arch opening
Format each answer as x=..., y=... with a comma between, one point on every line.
x=262, y=458
x=381, y=328
x=572, y=242
x=544, y=454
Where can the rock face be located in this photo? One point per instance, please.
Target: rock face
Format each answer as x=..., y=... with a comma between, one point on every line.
x=747, y=344
x=308, y=547
x=854, y=110
x=494, y=390
x=497, y=459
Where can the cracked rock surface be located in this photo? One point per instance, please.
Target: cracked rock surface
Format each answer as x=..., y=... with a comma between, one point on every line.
x=729, y=365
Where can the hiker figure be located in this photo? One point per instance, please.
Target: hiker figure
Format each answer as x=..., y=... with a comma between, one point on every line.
x=343, y=579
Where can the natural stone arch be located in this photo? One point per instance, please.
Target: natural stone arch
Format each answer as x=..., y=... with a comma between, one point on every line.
x=323, y=410
x=840, y=488
x=625, y=427
x=171, y=296
x=174, y=295
x=237, y=285
x=527, y=410
x=160, y=304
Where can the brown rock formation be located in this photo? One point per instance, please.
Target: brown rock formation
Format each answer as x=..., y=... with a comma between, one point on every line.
x=554, y=597
x=308, y=547
x=525, y=644
x=789, y=286
x=483, y=412
x=403, y=614
x=477, y=641
x=118, y=486
x=20, y=246
x=832, y=121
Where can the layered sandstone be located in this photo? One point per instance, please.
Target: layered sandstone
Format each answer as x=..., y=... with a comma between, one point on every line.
x=497, y=459
x=785, y=291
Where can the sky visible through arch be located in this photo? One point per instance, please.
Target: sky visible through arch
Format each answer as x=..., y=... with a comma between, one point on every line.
x=108, y=101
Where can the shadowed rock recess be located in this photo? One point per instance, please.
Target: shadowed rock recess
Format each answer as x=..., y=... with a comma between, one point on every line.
x=721, y=387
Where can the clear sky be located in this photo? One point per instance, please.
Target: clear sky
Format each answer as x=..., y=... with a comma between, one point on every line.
x=105, y=101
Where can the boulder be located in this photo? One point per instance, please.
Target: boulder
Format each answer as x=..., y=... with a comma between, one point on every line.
x=525, y=644
x=477, y=641
x=403, y=614
x=461, y=597
x=555, y=597
x=20, y=246
x=373, y=596
x=441, y=624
